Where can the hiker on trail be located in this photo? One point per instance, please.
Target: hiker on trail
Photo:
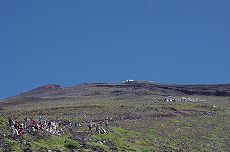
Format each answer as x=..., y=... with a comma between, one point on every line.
x=102, y=130
x=26, y=122
x=106, y=122
x=11, y=122
x=33, y=131
x=22, y=125
x=16, y=125
x=90, y=125
x=60, y=132
x=21, y=132
x=41, y=120
x=54, y=125
x=34, y=122
x=98, y=129
x=45, y=123
x=49, y=124
x=14, y=131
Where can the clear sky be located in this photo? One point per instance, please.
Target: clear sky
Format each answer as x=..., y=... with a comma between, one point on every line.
x=72, y=42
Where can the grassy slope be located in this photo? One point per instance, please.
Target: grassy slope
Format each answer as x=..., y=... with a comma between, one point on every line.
x=140, y=124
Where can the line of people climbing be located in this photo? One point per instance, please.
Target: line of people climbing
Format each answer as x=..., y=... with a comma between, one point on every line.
x=32, y=126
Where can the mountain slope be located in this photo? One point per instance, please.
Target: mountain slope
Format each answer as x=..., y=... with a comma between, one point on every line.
x=124, y=90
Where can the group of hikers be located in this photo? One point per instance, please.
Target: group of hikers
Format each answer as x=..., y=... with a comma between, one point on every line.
x=98, y=125
x=32, y=126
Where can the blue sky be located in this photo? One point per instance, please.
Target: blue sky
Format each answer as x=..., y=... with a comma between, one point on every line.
x=71, y=42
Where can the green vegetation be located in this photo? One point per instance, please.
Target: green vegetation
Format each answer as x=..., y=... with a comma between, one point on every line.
x=54, y=142
x=99, y=145
x=4, y=125
x=15, y=145
x=127, y=140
